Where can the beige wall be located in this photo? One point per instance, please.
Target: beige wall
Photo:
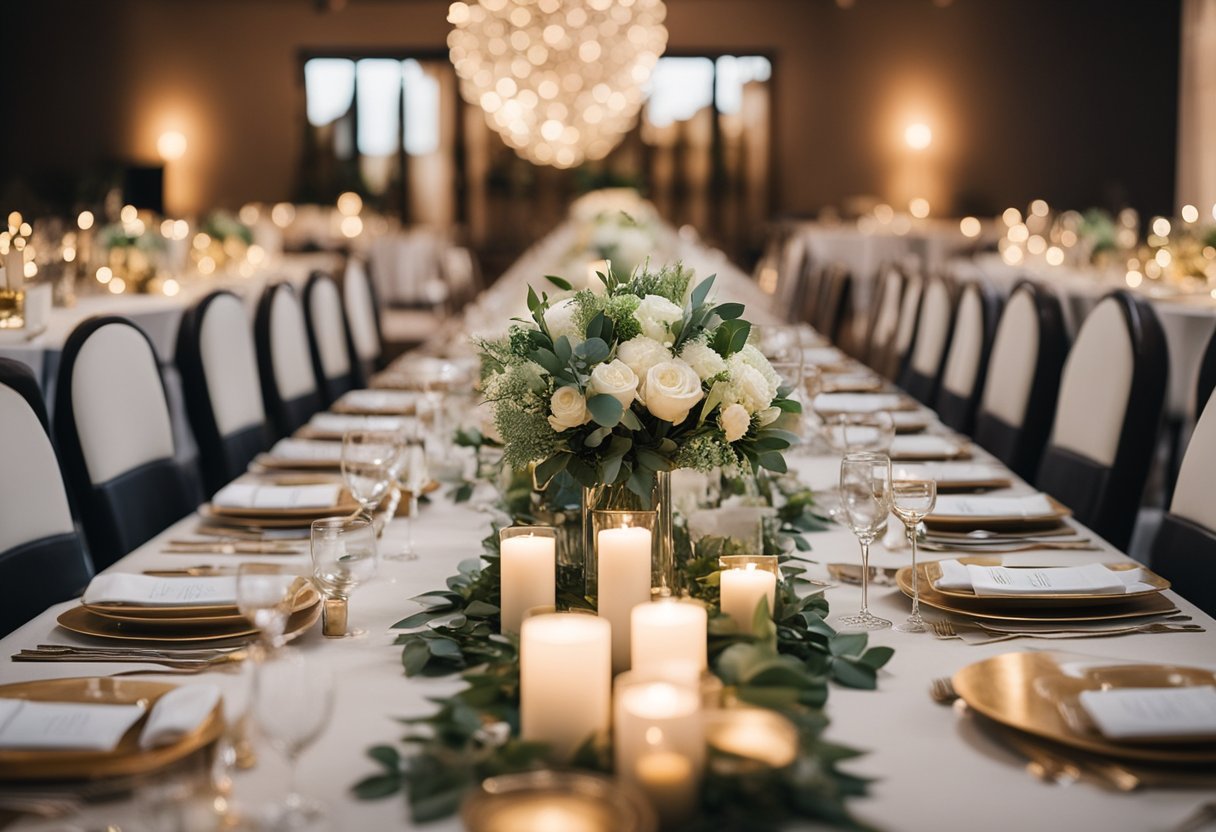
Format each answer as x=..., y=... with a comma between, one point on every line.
x=1027, y=98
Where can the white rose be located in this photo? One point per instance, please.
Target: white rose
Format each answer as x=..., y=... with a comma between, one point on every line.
x=672, y=389
x=749, y=387
x=642, y=353
x=734, y=421
x=560, y=320
x=656, y=314
x=615, y=378
x=569, y=409
x=702, y=358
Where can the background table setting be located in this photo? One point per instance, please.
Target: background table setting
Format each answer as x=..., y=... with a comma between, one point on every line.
x=1049, y=644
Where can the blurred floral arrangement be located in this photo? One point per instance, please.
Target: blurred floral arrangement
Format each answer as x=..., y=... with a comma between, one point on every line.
x=646, y=376
x=222, y=239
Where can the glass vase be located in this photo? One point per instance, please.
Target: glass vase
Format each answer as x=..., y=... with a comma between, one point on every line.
x=620, y=498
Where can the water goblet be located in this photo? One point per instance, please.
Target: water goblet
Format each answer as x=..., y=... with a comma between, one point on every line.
x=292, y=703
x=865, y=497
x=368, y=458
x=912, y=501
x=343, y=556
x=265, y=593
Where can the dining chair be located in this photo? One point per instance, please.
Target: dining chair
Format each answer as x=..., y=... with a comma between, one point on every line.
x=906, y=326
x=811, y=279
x=1207, y=377
x=1018, y=401
x=42, y=555
x=1184, y=550
x=223, y=395
x=115, y=438
x=921, y=374
x=363, y=316
x=835, y=302
x=1108, y=416
x=966, y=365
x=289, y=384
x=884, y=316
x=328, y=337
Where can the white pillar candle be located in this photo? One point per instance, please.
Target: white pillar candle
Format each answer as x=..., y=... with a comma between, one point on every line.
x=656, y=714
x=565, y=679
x=623, y=557
x=741, y=591
x=528, y=566
x=668, y=632
x=668, y=779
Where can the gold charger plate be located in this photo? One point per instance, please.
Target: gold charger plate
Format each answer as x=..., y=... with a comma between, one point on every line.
x=978, y=521
x=305, y=597
x=1137, y=606
x=931, y=571
x=962, y=451
x=82, y=621
x=278, y=463
x=127, y=758
x=352, y=410
x=1026, y=690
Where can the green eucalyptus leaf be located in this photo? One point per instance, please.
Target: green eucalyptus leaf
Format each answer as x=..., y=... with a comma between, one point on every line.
x=559, y=282
x=729, y=311
x=605, y=410
x=415, y=657
x=378, y=786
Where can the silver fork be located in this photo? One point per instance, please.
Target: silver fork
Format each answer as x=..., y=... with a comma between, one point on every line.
x=941, y=691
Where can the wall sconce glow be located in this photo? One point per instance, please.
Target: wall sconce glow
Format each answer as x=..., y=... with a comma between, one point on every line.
x=919, y=208
x=171, y=145
x=970, y=226
x=918, y=136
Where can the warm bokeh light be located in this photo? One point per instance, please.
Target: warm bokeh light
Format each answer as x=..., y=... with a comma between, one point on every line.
x=166, y=229
x=249, y=214
x=1054, y=256
x=117, y=286
x=282, y=214
x=919, y=208
x=69, y=254
x=1036, y=244
x=883, y=212
x=1163, y=257
x=171, y=145
x=350, y=203
x=1161, y=227
x=1134, y=278
x=1039, y=208
x=1019, y=233
x=170, y=287
x=181, y=229
x=1068, y=237
x=1190, y=213
x=202, y=241
x=128, y=214
x=1012, y=216
x=970, y=226
x=918, y=135
x=352, y=227
x=85, y=221
x=1012, y=255
x=206, y=265
x=104, y=275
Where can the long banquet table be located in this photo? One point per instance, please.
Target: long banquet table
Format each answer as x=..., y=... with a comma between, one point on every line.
x=933, y=769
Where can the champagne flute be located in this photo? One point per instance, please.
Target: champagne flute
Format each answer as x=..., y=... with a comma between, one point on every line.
x=414, y=477
x=292, y=703
x=343, y=556
x=912, y=501
x=368, y=458
x=865, y=496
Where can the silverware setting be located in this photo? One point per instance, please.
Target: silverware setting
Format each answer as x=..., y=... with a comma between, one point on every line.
x=178, y=659
x=232, y=546
x=1007, y=546
x=989, y=634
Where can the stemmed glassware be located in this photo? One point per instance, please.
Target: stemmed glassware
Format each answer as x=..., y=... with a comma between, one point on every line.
x=412, y=475
x=343, y=556
x=849, y=432
x=368, y=460
x=911, y=502
x=865, y=499
x=265, y=594
x=292, y=703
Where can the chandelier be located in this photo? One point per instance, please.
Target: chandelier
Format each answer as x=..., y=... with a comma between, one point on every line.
x=560, y=80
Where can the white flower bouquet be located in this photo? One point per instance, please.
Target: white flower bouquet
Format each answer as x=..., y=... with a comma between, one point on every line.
x=645, y=376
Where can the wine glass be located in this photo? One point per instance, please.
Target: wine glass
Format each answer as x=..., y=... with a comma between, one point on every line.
x=343, y=556
x=368, y=458
x=292, y=704
x=912, y=501
x=782, y=346
x=413, y=475
x=265, y=593
x=865, y=498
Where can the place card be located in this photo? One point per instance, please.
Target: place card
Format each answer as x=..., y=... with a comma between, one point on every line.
x=1031, y=505
x=125, y=588
x=64, y=726
x=1089, y=579
x=1144, y=713
x=253, y=495
x=307, y=450
x=178, y=713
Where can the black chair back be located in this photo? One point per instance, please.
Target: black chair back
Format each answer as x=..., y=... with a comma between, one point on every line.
x=1108, y=415
x=115, y=438
x=834, y=305
x=921, y=374
x=219, y=368
x=884, y=315
x=966, y=366
x=289, y=383
x=1018, y=402
x=329, y=338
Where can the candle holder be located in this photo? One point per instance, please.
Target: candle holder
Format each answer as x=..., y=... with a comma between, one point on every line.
x=622, y=555
x=767, y=563
x=659, y=740
x=556, y=800
x=741, y=590
x=750, y=740
x=12, y=309
x=528, y=565
x=618, y=498
x=557, y=502
x=669, y=633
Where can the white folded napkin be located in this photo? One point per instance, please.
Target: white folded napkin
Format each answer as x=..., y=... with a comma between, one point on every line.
x=969, y=505
x=63, y=726
x=343, y=422
x=1137, y=713
x=908, y=419
x=307, y=450
x=947, y=472
x=379, y=400
x=821, y=356
x=253, y=495
x=1089, y=579
x=856, y=402
x=920, y=446
x=850, y=381
x=125, y=588
x=177, y=713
